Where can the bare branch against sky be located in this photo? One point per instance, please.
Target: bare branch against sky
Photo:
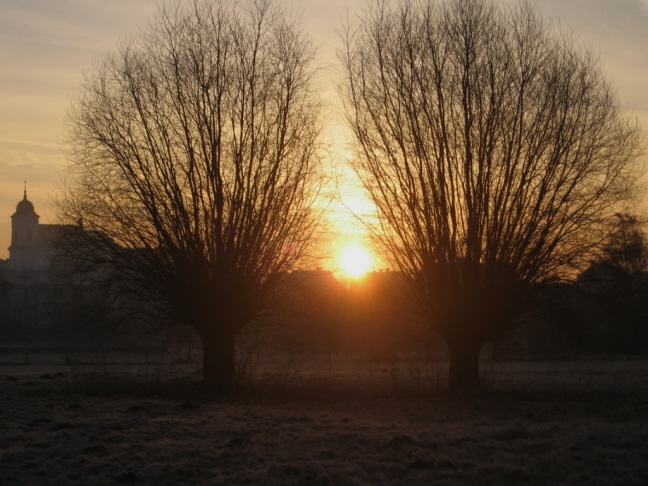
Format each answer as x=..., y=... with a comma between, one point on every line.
x=496, y=153
x=194, y=148
x=46, y=46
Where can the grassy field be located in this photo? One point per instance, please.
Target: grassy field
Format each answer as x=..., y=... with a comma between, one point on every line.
x=535, y=423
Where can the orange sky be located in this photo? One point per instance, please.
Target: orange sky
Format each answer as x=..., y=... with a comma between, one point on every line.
x=45, y=46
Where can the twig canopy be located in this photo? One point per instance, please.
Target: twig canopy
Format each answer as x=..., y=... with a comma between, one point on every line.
x=194, y=148
x=493, y=147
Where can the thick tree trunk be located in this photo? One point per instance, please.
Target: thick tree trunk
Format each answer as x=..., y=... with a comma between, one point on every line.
x=219, y=363
x=464, y=363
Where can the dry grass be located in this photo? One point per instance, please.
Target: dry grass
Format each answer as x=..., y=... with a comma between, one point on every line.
x=107, y=429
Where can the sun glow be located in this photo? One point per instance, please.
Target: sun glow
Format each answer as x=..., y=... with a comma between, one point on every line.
x=355, y=260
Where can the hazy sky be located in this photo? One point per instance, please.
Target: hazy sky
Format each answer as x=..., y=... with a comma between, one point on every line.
x=45, y=45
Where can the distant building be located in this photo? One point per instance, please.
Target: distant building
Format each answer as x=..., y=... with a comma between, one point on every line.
x=37, y=293
x=32, y=248
x=46, y=299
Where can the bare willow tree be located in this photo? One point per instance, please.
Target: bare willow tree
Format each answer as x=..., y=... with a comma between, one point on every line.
x=495, y=151
x=194, y=166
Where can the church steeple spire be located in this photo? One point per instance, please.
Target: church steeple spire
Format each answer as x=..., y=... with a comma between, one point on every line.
x=25, y=207
x=25, y=252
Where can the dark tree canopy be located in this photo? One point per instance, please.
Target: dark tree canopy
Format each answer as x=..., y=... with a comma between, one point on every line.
x=496, y=153
x=626, y=247
x=617, y=282
x=194, y=150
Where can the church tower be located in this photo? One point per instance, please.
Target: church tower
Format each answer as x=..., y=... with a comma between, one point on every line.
x=25, y=252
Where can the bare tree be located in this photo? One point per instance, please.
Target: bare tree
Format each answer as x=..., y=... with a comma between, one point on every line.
x=626, y=246
x=495, y=152
x=194, y=157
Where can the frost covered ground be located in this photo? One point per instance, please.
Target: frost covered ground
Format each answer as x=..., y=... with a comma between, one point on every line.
x=536, y=423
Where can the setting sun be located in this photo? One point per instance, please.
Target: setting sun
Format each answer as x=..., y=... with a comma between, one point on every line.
x=355, y=260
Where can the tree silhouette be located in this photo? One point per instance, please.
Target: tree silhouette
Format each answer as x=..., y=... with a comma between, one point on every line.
x=495, y=152
x=617, y=281
x=194, y=160
x=626, y=246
